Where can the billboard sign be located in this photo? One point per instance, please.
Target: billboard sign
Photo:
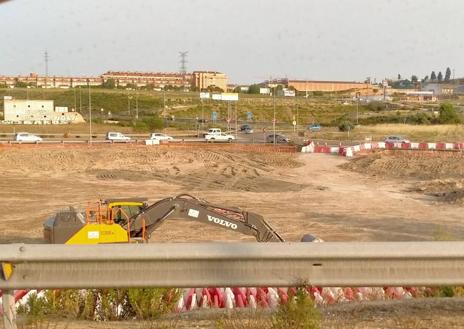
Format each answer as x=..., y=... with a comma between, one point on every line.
x=216, y=97
x=229, y=96
x=204, y=95
x=289, y=93
x=264, y=91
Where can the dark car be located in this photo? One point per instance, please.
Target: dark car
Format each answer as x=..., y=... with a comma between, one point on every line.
x=314, y=127
x=246, y=129
x=279, y=139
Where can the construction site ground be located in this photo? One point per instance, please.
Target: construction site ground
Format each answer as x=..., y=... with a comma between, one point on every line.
x=382, y=196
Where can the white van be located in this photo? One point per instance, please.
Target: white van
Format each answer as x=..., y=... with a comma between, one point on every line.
x=117, y=137
x=27, y=138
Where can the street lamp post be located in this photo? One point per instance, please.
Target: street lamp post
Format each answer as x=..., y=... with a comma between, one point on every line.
x=80, y=99
x=90, y=116
x=297, y=118
x=128, y=105
x=202, y=114
x=274, y=117
x=236, y=120
x=137, y=106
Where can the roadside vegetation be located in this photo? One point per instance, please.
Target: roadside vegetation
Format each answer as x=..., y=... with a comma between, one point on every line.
x=99, y=304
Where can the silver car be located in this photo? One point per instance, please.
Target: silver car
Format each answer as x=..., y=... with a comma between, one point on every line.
x=396, y=139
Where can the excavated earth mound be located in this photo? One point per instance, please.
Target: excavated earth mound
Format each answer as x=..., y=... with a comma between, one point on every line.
x=436, y=174
x=195, y=169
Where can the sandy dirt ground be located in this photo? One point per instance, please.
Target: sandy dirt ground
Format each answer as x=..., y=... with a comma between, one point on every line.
x=376, y=197
x=324, y=195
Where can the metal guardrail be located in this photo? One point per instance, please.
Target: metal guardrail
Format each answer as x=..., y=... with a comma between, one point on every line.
x=234, y=264
x=227, y=264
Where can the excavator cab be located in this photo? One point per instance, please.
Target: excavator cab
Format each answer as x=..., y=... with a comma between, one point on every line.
x=121, y=210
x=103, y=222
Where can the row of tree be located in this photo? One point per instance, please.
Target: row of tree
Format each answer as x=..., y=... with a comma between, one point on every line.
x=433, y=77
x=439, y=77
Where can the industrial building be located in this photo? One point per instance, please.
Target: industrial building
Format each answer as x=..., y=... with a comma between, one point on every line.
x=202, y=80
x=421, y=96
x=23, y=111
x=326, y=86
x=441, y=89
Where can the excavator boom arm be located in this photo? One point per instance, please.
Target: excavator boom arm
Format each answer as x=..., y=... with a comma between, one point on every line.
x=186, y=207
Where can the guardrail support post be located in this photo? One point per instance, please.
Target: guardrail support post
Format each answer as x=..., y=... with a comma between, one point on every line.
x=9, y=310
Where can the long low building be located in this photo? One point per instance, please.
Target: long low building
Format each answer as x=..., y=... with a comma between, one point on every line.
x=326, y=86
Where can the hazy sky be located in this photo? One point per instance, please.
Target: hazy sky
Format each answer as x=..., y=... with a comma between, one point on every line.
x=250, y=40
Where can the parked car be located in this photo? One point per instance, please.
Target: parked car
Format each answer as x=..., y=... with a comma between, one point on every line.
x=314, y=127
x=214, y=131
x=221, y=137
x=117, y=137
x=160, y=137
x=396, y=139
x=279, y=139
x=246, y=129
x=27, y=138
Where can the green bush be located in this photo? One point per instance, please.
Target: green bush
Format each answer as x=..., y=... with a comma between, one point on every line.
x=154, y=123
x=375, y=106
x=446, y=291
x=345, y=125
x=448, y=114
x=420, y=119
x=299, y=313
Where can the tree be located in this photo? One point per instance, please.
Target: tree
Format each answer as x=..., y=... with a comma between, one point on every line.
x=440, y=77
x=448, y=114
x=433, y=76
x=109, y=83
x=153, y=122
x=448, y=74
x=414, y=78
x=253, y=89
x=399, y=76
x=425, y=79
x=345, y=125
x=214, y=89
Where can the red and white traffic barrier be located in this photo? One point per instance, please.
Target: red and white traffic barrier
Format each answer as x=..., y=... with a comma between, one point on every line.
x=269, y=297
x=349, y=151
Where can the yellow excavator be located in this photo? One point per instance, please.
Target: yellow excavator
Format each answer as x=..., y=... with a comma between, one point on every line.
x=134, y=220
